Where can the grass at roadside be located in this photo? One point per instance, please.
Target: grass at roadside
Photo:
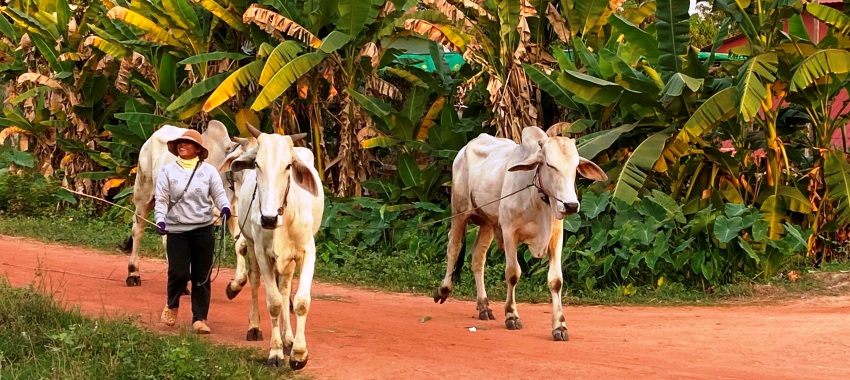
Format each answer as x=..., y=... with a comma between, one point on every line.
x=401, y=271
x=39, y=340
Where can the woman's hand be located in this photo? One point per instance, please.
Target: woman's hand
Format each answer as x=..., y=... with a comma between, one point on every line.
x=226, y=212
x=160, y=228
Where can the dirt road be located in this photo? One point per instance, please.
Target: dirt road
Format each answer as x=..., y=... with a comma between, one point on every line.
x=358, y=334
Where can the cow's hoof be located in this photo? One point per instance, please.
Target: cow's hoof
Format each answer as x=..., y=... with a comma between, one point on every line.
x=275, y=361
x=513, y=323
x=231, y=294
x=254, y=334
x=297, y=365
x=560, y=334
x=486, y=315
x=441, y=294
x=134, y=280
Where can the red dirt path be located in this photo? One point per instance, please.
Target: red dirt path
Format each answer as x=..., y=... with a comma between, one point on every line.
x=359, y=334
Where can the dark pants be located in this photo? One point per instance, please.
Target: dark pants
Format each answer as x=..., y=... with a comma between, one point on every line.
x=190, y=257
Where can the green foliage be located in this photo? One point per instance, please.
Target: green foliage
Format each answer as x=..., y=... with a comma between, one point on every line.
x=40, y=340
x=653, y=239
x=28, y=195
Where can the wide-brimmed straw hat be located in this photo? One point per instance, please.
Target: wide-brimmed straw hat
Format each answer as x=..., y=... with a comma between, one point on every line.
x=193, y=136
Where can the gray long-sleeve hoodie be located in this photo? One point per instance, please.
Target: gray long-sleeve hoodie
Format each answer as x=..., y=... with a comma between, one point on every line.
x=194, y=210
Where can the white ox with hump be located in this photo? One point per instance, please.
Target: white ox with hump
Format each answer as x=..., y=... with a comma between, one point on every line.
x=279, y=220
x=490, y=168
x=152, y=157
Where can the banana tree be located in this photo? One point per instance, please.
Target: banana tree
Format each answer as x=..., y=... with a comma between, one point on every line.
x=420, y=136
x=782, y=67
x=61, y=90
x=335, y=49
x=497, y=37
x=631, y=89
x=819, y=78
x=201, y=36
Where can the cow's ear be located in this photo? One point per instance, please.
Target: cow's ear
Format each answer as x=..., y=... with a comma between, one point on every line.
x=590, y=170
x=245, y=161
x=530, y=163
x=303, y=177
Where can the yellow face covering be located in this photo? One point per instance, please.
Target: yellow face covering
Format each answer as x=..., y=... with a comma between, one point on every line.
x=187, y=164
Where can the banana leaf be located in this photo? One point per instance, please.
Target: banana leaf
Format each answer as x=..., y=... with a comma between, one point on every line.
x=822, y=63
x=638, y=166
x=233, y=84
x=753, y=76
x=286, y=77
x=212, y=56
x=200, y=89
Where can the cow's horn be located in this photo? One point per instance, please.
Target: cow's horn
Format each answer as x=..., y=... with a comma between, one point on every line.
x=254, y=131
x=298, y=136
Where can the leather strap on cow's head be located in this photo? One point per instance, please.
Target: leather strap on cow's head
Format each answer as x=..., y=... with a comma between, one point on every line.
x=539, y=186
x=285, y=199
x=538, y=183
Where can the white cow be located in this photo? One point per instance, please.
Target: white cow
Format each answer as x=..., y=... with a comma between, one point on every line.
x=153, y=155
x=280, y=221
x=489, y=168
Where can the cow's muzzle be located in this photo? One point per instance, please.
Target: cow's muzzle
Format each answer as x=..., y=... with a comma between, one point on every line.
x=268, y=222
x=570, y=208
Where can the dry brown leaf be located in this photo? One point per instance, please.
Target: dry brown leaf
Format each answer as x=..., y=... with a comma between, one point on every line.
x=557, y=22
x=430, y=31
x=303, y=87
x=793, y=275
x=527, y=10
x=112, y=182
x=478, y=6
x=367, y=133
x=328, y=74
x=388, y=8
x=615, y=4
x=11, y=131
x=66, y=159
x=452, y=13
x=69, y=56
x=40, y=79
x=373, y=52
x=278, y=26
x=381, y=87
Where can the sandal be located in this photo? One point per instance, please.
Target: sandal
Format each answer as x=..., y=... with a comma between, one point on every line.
x=169, y=316
x=201, y=328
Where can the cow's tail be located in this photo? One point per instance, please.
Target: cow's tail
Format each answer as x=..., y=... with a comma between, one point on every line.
x=128, y=245
x=461, y=256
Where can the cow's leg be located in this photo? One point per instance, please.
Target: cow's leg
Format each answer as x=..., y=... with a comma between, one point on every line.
x=556, y=281
x=274, y=302
x=285, y=286
x=298, y=358
x=241, y=275
x=254, y=332
x=479, y=258
x=457, y=232
x=143, y=205
x=512, y=274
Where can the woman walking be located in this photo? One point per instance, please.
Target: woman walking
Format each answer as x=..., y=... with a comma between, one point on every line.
x=184, y=196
